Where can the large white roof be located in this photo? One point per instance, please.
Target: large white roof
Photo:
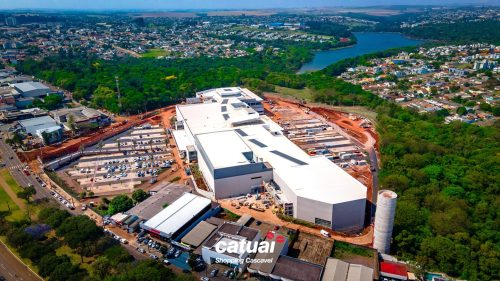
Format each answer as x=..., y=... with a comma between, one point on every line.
x=212, y=116
x=224, y=148
x=30, y=86
x=219, y=94
x=175, y=216
x=313, y=177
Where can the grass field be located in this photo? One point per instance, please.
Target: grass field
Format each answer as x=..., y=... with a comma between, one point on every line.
x=305, y=93
x=10, y=181
x=16, y=214
x=154, y=53
x=7, y=203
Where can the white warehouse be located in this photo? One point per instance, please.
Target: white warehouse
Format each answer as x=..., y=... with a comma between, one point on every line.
x=240, y=151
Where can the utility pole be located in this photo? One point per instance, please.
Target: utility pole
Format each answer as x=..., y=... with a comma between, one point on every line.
x=118, y=91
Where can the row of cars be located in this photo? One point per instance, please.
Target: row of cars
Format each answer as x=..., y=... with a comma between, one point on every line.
x=62, y=200
x=229, y=273
x=116, y=237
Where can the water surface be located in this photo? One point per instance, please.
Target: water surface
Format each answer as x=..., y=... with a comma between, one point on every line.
x=368, y=42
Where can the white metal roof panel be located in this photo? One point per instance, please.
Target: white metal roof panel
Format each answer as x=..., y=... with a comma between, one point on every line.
x=175, y=216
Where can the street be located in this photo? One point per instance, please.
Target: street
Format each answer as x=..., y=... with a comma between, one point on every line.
x=15, y=167
x=11, y=268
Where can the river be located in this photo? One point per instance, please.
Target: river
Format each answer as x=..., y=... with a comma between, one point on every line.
x=367, y=42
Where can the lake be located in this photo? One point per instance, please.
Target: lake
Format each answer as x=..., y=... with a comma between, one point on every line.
x=368, y=42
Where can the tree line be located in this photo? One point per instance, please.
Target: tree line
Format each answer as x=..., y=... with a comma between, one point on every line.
x=38, y=241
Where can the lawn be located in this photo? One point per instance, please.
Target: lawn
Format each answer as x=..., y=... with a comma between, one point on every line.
x=6, y=203
x=154, y=53
x=345, y=249
x=10, y=181
x=305, y=93
x=75, y=258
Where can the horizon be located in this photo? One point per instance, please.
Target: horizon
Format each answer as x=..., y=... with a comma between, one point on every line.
x=193, y=5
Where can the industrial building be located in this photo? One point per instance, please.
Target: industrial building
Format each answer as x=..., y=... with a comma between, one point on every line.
x=281, y=248
x=163, y=194
x=384, y=220
x=83, y=118
x=288, y=268
x=31, y=89
x=180, y=217
x=338, y=270
x=241, y=151
x=229, y=232
x=40, y=126
x=198, y=234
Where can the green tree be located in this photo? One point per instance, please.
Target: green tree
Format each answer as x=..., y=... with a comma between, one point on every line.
x=461, y=110
x=49, y=262
x=139, y=195
x=485, y=107
x=26, y=194
x=53, y=216
x=120, y=203
x=101, y=267
x=79, y=232
x=67, y=271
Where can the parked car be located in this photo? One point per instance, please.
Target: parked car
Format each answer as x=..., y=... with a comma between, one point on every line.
x=214, y=272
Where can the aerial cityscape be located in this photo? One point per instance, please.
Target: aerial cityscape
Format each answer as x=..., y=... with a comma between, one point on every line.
x=249, y=140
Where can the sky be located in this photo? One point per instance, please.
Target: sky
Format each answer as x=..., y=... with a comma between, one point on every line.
x=215, y=4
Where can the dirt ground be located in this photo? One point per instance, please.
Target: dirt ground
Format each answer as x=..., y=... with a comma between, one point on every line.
x=284, y=109
x=311, y=248
x=365, y=238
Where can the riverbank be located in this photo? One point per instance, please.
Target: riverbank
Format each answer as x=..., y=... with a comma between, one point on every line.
x=367, y=42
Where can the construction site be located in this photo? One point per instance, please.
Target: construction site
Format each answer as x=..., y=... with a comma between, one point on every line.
x=343, y=138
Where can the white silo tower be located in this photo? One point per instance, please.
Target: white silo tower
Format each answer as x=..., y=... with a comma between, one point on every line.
x=384, y=220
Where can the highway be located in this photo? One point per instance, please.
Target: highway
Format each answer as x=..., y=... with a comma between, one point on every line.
x=11, y=268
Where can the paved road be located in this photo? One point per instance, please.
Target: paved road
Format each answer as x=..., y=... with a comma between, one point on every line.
x=15, y=166
x=374, y=163
x=13, y=269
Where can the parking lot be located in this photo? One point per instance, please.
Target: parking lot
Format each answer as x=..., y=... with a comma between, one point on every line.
x=124, y=162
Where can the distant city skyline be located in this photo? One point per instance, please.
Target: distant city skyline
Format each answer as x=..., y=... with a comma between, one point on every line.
x=217, y=4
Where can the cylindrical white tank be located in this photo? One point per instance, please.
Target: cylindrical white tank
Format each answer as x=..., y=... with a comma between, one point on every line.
x=384, y=220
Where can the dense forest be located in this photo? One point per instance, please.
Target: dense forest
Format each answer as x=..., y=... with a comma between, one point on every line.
x=149, y=83
x=460, y=33
x=328, y=28
x=447, y=176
